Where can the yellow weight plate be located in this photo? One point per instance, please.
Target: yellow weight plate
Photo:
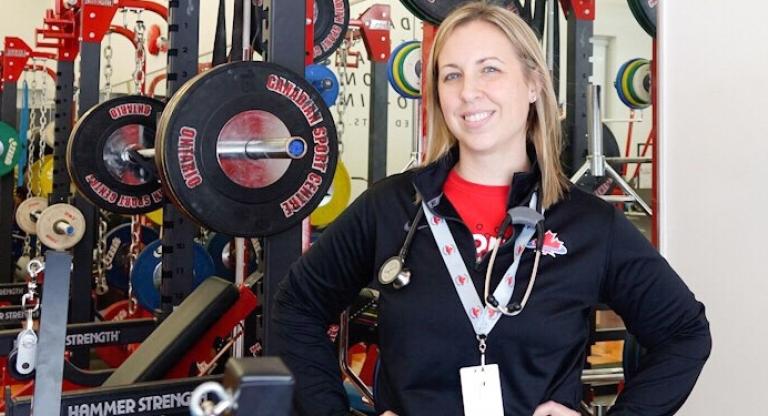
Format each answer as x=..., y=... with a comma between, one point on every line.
x=42, y=184
x=156, y=216
x=335, y=200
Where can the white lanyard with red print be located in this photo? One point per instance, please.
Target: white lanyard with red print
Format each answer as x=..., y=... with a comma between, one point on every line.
x=483, y=318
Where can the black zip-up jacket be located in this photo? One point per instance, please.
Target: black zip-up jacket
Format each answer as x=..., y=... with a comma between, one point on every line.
x=425, y=336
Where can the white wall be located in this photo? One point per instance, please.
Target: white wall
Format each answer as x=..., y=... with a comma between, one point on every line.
x=713, y=187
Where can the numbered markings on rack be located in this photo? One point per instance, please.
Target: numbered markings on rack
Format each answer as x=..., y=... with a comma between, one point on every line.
x=436, y=11
x=10, y=149
x=335, y=200
x=324, y=81
x=404, y=69
x=247, y=149
x=331, y=21
x=116, y=259
x=147, y=271
x=103, y=159
x=60, y=226
x=633, y=83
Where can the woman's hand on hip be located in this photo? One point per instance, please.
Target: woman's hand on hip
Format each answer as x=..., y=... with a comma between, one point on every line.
x=552, y=408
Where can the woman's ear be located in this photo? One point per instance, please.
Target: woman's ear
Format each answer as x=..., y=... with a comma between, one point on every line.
x=532, y=96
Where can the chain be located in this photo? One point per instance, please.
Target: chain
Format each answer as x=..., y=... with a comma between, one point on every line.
x=42, y=122
x=133, y=253
x=27, y=248
x=200, y=403
x=138, y=72
x=34, y=267
x=108, y=68
x=43, y=104
x=101, y=248
x=342, y=103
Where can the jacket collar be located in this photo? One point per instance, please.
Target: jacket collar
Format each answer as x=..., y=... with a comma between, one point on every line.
x=430, y=179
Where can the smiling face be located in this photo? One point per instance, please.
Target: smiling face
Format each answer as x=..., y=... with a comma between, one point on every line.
x=483, y=91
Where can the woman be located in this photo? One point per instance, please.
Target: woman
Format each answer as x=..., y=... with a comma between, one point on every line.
x=494, y=145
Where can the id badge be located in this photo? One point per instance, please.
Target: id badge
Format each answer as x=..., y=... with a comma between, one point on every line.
x=481, y=390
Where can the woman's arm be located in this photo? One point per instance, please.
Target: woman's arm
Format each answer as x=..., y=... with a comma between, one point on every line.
x=318, y=287
x=660, y=310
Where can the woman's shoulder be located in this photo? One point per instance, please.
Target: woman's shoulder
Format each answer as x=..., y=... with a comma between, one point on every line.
x=584, y=205
x=399, y=184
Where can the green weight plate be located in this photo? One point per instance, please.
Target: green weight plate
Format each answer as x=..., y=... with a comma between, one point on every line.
x=9, y=148
x=617, y=85
x=392, y=69
x=635, y=84
x=400, y=69
x=625, y=81
x=410, y=69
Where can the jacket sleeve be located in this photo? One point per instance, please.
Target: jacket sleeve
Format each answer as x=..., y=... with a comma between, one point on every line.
x=319, y=285
x=660, y=310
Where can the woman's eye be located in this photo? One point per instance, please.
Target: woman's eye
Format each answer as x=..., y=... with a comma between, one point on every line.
x=490, y=69
x=450, y=76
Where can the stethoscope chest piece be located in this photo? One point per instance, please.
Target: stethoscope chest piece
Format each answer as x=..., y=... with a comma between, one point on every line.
x=393, y=272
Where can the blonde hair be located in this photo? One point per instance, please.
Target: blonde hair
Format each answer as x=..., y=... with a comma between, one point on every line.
x=543, y=126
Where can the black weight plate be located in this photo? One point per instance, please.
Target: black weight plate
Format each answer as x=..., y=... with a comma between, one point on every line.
x=331, y=19
x=644, y=12
x=235, y=102
x=116, y=259
x=411, y=8
x=436, y=11
x=95, y=158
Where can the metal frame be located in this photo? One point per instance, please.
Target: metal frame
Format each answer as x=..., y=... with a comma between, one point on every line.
x=7, y=185
x=287, y=47
x=178, y=230
x=82, y=272
x=132, y=395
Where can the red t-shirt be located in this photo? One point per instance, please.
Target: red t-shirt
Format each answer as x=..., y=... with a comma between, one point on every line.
x=481, y=207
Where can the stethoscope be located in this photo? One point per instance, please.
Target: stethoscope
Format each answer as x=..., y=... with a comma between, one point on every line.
x=394, y=272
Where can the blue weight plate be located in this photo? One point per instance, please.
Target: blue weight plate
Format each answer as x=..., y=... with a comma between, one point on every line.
x=219, y=249
x=324, y=81
x=118, y=242
x=146, y=273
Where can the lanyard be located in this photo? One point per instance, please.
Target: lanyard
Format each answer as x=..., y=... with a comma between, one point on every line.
x=482, y=318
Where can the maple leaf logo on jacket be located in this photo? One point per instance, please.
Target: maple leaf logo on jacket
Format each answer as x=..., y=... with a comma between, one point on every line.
x=552, y=245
